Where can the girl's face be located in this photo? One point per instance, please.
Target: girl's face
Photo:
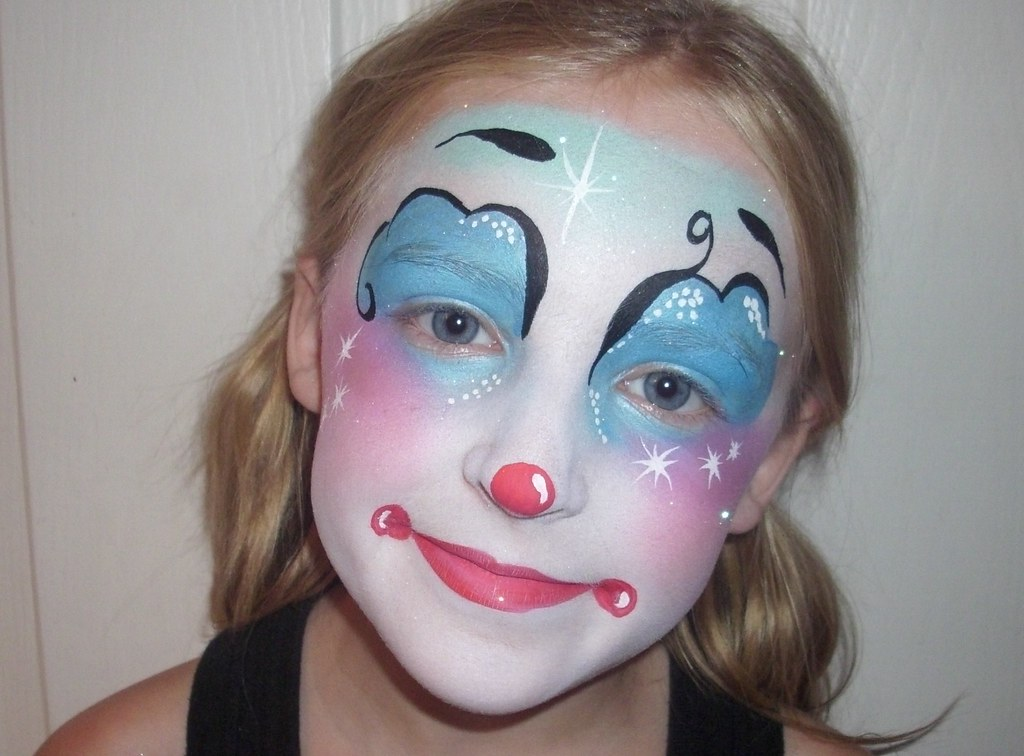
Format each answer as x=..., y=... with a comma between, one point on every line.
x=552, y=361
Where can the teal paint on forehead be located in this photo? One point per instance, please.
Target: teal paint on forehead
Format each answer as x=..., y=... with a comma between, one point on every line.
x=600, y=171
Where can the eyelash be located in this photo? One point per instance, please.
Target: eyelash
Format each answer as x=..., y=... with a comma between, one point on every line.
x=632, y=388
x=417, y=321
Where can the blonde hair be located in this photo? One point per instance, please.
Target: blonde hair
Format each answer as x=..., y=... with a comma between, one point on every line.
x=767, y=627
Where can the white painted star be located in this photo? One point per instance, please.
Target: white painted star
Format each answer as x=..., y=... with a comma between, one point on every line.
x=656, y=464
x=347, y=342
x=711, y=463
x=338, y=400
x=581, y=185
x=734, y=450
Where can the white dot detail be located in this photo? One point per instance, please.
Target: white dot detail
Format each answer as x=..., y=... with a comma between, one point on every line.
x=594, y=397
x=754, y=315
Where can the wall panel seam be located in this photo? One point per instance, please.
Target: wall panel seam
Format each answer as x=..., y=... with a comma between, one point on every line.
x=12, y=314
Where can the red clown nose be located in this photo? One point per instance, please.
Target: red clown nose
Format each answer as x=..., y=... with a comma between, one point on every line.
x=523, y=489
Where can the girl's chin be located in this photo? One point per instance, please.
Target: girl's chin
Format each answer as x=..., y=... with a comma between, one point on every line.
x=497, y=679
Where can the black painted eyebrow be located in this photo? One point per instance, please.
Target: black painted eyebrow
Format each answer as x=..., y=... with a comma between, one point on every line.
x=519, y=143
x=764, y=236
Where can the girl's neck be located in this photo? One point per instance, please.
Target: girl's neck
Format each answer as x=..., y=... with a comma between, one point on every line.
x=356, y=698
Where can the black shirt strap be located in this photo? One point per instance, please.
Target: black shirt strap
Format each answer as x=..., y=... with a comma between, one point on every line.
x=245, y=694
x=704, y=723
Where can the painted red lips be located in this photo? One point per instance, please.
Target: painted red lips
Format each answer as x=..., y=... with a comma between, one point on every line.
x=480, y=578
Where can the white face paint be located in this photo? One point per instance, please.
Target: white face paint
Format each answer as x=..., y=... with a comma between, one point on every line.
x=549, y=373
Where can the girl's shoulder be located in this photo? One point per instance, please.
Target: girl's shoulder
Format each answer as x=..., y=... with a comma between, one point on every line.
x=149, y=717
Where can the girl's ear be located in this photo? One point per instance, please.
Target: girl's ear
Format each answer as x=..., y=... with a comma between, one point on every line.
x=303, y=347
x=783, y=452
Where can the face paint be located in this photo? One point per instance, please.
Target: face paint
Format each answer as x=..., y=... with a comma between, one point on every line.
x=481, y=579
x=493, y=255
x=550, y=372
x=523, y=489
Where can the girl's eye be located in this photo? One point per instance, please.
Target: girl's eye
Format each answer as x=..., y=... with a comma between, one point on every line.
x=450, y=330
x=669, y=396
x=454, y=326
x=665, y=390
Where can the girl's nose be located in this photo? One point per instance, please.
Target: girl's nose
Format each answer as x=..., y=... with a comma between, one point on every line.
x=523, y=489
x=526, y=473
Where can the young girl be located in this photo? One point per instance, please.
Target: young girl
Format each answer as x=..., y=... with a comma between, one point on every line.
x=497, y=472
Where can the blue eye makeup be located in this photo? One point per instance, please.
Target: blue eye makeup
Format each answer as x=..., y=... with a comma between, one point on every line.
x=693, y=356
x=459, y=282
x=492, y=258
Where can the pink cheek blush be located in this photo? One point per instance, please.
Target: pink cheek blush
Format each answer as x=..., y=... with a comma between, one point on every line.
x=706, y=476
x=377, y=408
x=367, y=375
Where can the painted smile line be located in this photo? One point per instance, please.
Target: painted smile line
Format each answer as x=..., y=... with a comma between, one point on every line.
x=482, y=579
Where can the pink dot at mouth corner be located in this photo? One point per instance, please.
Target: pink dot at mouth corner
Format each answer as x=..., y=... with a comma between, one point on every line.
x=616, y=597
x=391, y=520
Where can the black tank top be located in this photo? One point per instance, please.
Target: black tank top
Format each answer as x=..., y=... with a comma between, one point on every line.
x=245, y=700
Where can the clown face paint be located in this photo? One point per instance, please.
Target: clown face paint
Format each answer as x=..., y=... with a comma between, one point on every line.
x=550, y=369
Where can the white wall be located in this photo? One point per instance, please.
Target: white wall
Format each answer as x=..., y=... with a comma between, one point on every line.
x=146, y=167
x=148, y=153
x=924, y=520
